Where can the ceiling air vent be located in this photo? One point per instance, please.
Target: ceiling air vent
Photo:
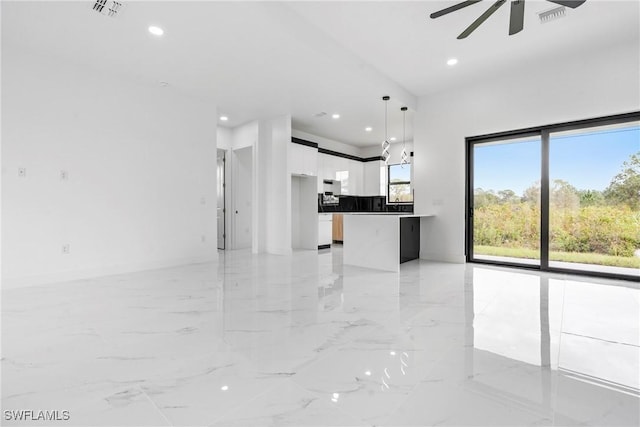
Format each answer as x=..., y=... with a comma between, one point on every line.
x=552, y=14
x=107, y=7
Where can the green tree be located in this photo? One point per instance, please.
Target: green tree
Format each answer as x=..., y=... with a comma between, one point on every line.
x=482, y=198
x=564, y=195
x=532, y=194
x=625, y=186
x=590, y=198
x=508, y=196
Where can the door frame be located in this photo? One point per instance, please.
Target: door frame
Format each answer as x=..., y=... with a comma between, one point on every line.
x=544, y=133
x=224, y=197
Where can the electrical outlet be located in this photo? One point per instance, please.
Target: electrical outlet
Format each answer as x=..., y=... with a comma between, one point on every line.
x=203, y=238
x=203, y=201
x=64, y=175
x=22, y=172
x=66, y=249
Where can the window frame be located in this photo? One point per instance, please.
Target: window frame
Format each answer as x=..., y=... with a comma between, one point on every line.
x=389, y=184
x=544, y=133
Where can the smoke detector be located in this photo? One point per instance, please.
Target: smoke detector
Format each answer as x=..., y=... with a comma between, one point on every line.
x=552, y=14
x=107, y=7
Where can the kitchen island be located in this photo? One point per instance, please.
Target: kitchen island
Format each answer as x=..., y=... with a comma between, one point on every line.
x=381, y=240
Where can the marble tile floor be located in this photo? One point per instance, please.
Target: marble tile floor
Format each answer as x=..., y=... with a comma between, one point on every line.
x=302, y=340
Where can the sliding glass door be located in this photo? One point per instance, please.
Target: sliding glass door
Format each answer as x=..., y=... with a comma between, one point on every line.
x=594, y=204
x=506, y=200
x=563, y=197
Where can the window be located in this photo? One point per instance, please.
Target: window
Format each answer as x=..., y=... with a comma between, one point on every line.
x=399, y=183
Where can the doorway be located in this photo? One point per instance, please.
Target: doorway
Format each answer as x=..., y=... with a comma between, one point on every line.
x=221, y=211
x=557, y=198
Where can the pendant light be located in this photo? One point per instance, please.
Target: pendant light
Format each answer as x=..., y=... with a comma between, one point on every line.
x=385, y=143
x=404, y=159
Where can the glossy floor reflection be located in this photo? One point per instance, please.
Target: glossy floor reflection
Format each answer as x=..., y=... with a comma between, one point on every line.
x=302, y=340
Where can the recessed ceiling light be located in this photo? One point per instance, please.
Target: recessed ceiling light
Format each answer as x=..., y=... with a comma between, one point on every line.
x=336, y=116
x=368, y=129
x=156, y=31
x=452, y=61
x=224, y=118
x=393, y=138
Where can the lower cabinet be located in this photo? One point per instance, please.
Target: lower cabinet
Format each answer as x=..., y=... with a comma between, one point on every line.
x=337, y=228
x=324, y=230
x=409, y=239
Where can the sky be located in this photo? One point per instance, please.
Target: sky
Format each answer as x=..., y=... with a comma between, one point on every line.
x=588, y=161
x=401, y=172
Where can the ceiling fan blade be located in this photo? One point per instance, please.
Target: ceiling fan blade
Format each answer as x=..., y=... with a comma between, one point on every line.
x=453, y=8
x=471, y=28
x=516, y=20
x=568, y=3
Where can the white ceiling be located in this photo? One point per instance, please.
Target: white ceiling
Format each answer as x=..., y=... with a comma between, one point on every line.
x=261, y=59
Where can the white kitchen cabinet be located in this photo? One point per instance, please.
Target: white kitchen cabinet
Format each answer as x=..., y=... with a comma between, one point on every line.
x=355, y=177
x=325, y=229
x=303, y=160
x=374, y=177
x=329, y=167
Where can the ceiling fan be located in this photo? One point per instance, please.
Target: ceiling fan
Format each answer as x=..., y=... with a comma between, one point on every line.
x=516, y=20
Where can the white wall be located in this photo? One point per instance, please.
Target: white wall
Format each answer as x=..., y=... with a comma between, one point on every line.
x=304, y=213
x=276, y=189
x=375, y=173
x=241, y=213
x=141, y=164
x=374, y=176
x=224, y=138
x=575, y=88
x=241, y=185
x=245, y=135
x=296, y=230
x=262, y=185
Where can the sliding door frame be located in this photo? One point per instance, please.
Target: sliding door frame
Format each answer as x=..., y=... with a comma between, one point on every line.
x=543, y=132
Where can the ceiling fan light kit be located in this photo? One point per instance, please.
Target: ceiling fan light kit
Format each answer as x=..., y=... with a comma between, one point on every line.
x=516, y=17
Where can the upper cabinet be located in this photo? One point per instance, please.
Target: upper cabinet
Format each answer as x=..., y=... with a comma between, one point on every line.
x=374, y=178
x=356, y=184
x=357, y=178
x=348, y=172
x=303, y=160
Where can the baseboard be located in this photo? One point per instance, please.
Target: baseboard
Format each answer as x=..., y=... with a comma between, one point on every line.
x=99, y=271
x=436, y=256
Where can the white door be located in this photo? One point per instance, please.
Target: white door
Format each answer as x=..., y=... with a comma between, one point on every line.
x=220, y=199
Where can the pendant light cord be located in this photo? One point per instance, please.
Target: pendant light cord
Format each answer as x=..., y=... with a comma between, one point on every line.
x=386, y=137
x=404, y=126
